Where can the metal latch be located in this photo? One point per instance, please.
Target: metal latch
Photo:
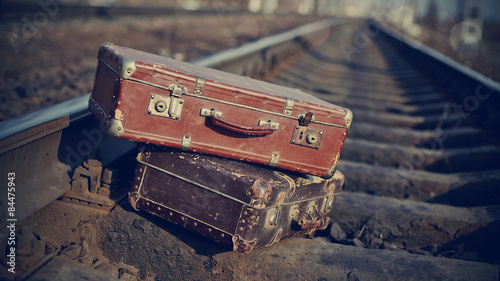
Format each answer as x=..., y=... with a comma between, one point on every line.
x=167, y=106
x=304, y=135
x=305, y=120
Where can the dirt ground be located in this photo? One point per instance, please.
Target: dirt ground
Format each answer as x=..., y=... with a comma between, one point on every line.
x=131, y=245
x=45, y=65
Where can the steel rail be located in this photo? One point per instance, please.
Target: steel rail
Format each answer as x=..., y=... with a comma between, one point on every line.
x=457, y=68
x=467, y=88
x=224, y=57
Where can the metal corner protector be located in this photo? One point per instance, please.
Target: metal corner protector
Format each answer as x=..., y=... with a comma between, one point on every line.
x=331, y=172
x=115, y=128
x=348, y=118
x=127, y=68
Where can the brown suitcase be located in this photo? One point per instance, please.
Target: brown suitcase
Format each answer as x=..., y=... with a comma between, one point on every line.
x=239, y=205
x=152, y=99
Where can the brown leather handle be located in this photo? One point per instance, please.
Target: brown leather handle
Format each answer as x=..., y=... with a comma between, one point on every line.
x=242, y=129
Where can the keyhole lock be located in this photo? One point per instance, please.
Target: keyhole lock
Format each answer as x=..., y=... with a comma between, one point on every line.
x=307, y=136
x=167, y=106
x=161, y=106
x=312, y=138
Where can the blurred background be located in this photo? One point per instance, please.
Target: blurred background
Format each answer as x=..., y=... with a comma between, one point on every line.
x=49, y=47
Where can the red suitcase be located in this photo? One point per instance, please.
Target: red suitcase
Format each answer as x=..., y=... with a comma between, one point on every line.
x=239, y=205
x=152, y=99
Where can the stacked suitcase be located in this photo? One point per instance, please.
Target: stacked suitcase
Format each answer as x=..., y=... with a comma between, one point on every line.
x=207, y=139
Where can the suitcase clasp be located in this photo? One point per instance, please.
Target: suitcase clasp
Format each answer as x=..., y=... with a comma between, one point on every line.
x=167, y=106
x=176, y=101
x=309, y=222
x=303, y=135
x=305, y=120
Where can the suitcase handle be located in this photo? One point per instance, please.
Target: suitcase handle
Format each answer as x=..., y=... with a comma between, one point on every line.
x=242, y=129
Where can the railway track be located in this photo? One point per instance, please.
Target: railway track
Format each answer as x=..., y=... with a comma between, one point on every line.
x=407, y=144
x=421, y=198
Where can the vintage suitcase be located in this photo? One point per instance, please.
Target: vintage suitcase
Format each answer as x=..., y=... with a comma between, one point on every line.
x=152, y=99
x=237, y=204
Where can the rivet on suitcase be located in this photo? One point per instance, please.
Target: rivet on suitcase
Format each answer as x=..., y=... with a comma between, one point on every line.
x=152, y=99
x=239, y=205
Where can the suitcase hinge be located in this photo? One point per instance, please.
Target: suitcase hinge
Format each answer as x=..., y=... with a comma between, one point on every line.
x=186, y=142
x=289, y=106
x=199, y=85
x=275, y=158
